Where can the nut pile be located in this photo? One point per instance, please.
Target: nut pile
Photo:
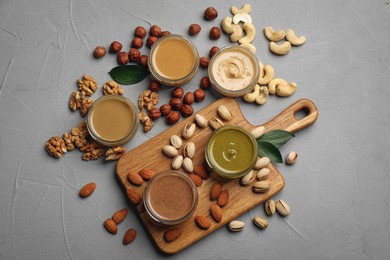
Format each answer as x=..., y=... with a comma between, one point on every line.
x=111, y=225
x=275, y=36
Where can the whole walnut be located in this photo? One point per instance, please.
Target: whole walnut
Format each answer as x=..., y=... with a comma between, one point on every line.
x=215, y=33
x=134, y=54
x=140, y=32
x=173, y=117
x=176, y=103
x=194, y=29
x=137, y=43
x=210, y=13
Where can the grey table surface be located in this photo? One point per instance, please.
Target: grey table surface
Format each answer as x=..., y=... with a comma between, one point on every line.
x=338, y=190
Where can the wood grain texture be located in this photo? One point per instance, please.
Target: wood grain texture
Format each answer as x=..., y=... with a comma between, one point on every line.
x=242, y=199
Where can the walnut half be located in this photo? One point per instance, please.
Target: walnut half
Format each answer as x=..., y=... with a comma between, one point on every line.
x=56, y=146
x=115, y=153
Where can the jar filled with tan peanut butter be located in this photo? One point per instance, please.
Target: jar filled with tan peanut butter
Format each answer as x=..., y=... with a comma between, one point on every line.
x=233, y=71
x=173, y=60
x=112, y=120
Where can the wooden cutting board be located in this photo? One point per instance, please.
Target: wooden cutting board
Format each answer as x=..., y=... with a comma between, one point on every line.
x=242, y=199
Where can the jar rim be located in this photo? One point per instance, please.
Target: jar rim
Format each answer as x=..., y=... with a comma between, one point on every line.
x=233, y=93
x=96, y=136
x=170, y=81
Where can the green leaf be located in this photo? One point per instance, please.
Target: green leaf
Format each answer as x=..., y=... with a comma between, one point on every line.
x=277, y=137
x=128, y=74
x=269, y=150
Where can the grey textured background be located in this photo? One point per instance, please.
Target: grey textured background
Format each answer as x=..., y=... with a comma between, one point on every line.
x=338, y=191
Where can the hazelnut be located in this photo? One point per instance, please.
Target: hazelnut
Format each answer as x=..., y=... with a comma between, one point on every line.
x=140, y=32
x=205, y=82
x=204, y=62
x=154, y=113
x=199, y=95
x=165, y=109
x=187, y=110
x=134, y=54
x=164, y=33
x=213, y=51
x=210, y=13
x=137, y=43
x=151, y=40
x=215, y=33
x=177, y=92
x=155, y=30
x=188, y=98
x=143, y=60
x=176, y=103
x=122, y=58
x=99, y=52
x=115, y=47
x=173, y=117
x=155, y=86
x=194, y=29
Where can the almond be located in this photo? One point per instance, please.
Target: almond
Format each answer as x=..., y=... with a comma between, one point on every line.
x=196, y=179
x=216, y=212
x=223, y=198
x=119, y=216
x=135, y=178
x=215, y=191
x=129, y=236
x=133, y=196
x=201, y=172
x=172, y=234
x=202, y=222
x=146, y=174
x=110, y=226
x=87, y=190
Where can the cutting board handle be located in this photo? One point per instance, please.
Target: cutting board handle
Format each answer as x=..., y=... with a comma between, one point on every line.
x=288, y=120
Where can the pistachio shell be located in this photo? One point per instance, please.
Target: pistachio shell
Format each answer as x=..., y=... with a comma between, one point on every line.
x=248, y=178
x=269, y=207
x=282, y=208
x=177, y=162
x=236, y=225
x=262, y=163
x=189, y=150
x=292, y=158
x=176, y=141
x=261, y=186
x=258, y=131
x=224, y=113
x=188, y=130
x=188, y=165
x=200, y=120
x=260, y=222
x=215, y=123
x=169, y=151
x=262, y=174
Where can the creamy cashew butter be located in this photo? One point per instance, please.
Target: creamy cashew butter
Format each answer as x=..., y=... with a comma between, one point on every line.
x=233, y=71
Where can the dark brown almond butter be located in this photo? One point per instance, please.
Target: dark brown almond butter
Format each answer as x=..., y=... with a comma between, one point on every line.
x=216, y=212
x=215, y=191
x=87, y=190
x=110, y=226
x=223, y=198
x=129, y=236
x=119, y=216
x=202, y=222
x=135, y=178
x=172, y=234
x=134, y=196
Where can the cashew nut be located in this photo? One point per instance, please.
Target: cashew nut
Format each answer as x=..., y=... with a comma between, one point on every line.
x=250, y=47
x=273, y=36
x=263, y=97
x=261, y=66
x=269, y=74
x=251, y=97
x=242, y=17
x=293, y=39
x=274, y=84
x=281, y=49
x=234, y=30
x=286, y=90
x=250, y=33
x=246, y=8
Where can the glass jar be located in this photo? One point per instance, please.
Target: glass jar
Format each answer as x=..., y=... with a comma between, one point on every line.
x=173, y=60
x=233, y=71
x=112, y=120
x=170, y=197
x=231, y=151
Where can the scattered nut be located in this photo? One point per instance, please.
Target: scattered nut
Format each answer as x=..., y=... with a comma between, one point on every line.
x=196, y=179
x=164, y=33
x=146, y=174
x=170, y=151
x=135, y=178
x=236, y=225
x=269, y=74
x=201, y=171
x=250, y=31
x=201, y=121
x=249, y=46
x=234, y=30
x=242, y=17
x=56, y=147
x=112, y=88
x=177, y=162
x=119, y=216
x=87, y=190
x=140, y=32
x=110, y=226
x=260, y=222
x=129, y=236
x=85, y=105
x=246, y=8
x=215, y=123
x=154, y=86
x=216, y=212
x=282, y=208
x=176, y=103
x=210, y=13
x=99, y=52
x=151, y=40
x=248, y=178
x=223, y=198
x=275, y=83
x=286, y=90
x=281, y=49
x=199, y=95
x=269, y=207
x=172, y=234
x=189, y=150
x=155, y=30
x=115, y=47
x=187, y=165
x=292, y=158
x=257, y=132
x=188, y=98
x=251, y=97
x=215, y=33
x=134, y=196
x=165, y=109
x=215, y=191
x=213, y=51
x=68, y=142
x=204, y=62
x=176, y=141
x=188, y=130
x=194, y=29
x=204, y=82
x=202, y=222
x=173, y=117
x=92, y=151
x=262, y=174
x=137, y=43
x=224, y=113
x=187, y=110
x=134, y=54
x=272, y=35
x=122, y=58
x=143, y=60
x=154, y=114
x=263, y=97
x=115, y=153
x=177, y=92
x=262, y=162
x=261, y=186
x=87, y=85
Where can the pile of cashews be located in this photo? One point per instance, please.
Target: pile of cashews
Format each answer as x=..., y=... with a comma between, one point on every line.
x=267, y=85
x=232, y=26
x=285, y=47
